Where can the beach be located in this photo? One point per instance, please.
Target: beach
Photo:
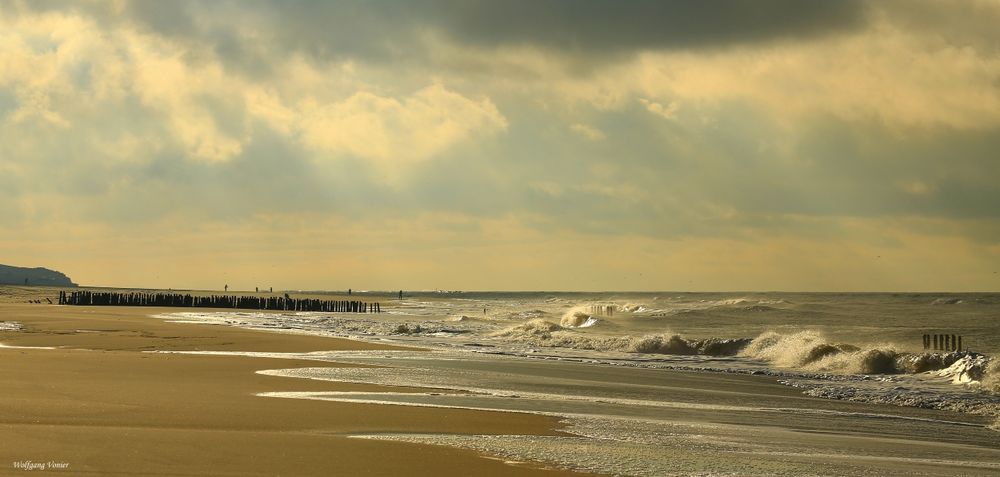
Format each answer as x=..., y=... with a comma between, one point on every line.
x=426, y=388
x=102, y=405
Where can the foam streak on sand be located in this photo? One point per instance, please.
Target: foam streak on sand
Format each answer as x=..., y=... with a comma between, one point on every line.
x=562, y=404
x=25, y=347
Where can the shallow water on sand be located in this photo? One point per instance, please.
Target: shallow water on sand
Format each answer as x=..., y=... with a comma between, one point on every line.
x=639, y=400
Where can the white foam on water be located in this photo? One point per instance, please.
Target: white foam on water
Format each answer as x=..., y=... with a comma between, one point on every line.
x=591, y=321
x=575, y=318
x=966, y=370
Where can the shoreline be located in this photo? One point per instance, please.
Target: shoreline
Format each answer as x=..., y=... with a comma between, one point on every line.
x=553, y=413
x=101, y=405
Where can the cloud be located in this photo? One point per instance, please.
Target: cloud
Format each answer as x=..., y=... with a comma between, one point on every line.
x=248, y=36
x=902, y=77
x=208, y=109
x=666, y=112
x=588, y=132
x=590, y=25
x=915, y=187
x=436, y=132
x=393, y=131
x=67, y=72
x=971, y=24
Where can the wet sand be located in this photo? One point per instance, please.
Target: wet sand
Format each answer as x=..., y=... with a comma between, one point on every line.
x=103, y=407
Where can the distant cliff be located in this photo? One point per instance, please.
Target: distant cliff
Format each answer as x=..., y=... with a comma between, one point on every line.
x=33, y=276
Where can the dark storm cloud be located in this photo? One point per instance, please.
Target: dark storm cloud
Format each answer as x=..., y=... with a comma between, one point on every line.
x=588, y=25
x=562, y=24
x=379, y=30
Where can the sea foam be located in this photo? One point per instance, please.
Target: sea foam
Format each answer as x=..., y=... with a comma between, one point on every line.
x=812, y=351
x=545, y=333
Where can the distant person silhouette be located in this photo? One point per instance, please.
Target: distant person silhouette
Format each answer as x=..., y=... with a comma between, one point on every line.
x=227, y=287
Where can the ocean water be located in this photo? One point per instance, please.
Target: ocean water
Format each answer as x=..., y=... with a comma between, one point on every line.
x=683, y=383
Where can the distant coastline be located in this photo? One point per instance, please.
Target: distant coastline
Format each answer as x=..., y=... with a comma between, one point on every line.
x=38, y=276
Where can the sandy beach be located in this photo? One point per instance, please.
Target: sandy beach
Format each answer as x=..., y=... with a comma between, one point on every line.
x=99, y=405
x=116, y=390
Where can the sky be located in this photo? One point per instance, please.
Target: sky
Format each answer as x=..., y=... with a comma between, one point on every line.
x=503, y=145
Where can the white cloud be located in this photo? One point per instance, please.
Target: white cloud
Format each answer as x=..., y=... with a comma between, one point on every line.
x=322, y=105
x=398, y=130
x=68, y=72
x=588, y=132
x=666, y=112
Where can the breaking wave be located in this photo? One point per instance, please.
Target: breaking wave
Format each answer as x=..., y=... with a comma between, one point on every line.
x=545, y=333
x=991, y=381
x=633, y=308
x=525, y=315
x=575, y=318
x=805, y=350
x=809, y=350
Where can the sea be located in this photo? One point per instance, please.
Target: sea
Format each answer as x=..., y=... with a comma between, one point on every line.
x=668, y=383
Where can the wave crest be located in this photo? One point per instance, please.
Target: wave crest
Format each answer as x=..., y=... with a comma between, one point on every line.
x=809, y=350
x=548, y=334
x=991, y=378
x=531, y=328
x=577, y=319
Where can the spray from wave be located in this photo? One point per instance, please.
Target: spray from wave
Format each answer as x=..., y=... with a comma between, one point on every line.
x=991, y=381
x=804, y=350
x=548, y=334
x=577, y=318
x=810, y=350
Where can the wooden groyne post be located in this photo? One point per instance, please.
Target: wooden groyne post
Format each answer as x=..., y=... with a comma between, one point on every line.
x=606, y=310
x=943, y=342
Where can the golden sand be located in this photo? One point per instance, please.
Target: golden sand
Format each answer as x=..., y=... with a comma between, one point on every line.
x=99, y=405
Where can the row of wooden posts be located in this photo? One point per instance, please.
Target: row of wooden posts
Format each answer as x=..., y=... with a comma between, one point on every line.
x=606, y=310
x=943, y=342
x=216, y=301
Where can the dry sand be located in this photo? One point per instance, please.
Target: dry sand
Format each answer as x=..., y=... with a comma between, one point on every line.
x=103, y=407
